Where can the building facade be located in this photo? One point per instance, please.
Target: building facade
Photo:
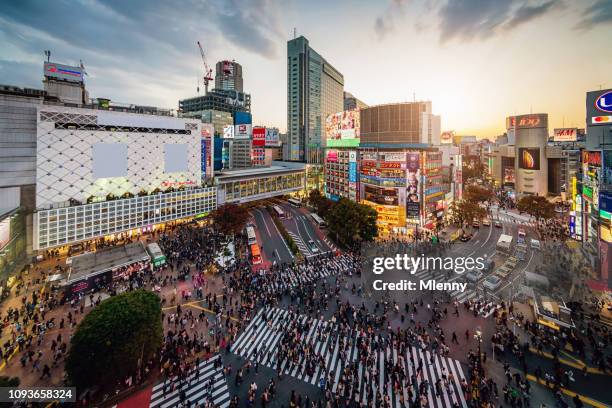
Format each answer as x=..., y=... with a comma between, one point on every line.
x=314, y=91
x=228, y=76
x=352, y=103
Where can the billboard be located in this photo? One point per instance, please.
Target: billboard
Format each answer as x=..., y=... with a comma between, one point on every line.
x=509, y=177
x=447, y=137
x=259, y=136
x=394, y=157
x=243, y=131
x=342, y=129
x=243, y=118
x=332, y=156
x=413, y=175
x=565, y=135
x=384, y=196
x=352, y=167
x=510, y=122
x=228, y=132
x=599, y=107
x=591, y=158
x=538, y=120
x=63, y=72
x=272, y=138
x=529, y=158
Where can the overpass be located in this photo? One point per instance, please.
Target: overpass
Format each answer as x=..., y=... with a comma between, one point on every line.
x=256, y=183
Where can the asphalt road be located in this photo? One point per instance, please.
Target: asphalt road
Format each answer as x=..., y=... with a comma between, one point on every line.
x=274, y=246
x=303, y=227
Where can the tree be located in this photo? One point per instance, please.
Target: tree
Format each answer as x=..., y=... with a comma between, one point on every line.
x=115, y=339
x=477, y=194
x=351, y=222
x=537, y=206
x=464, y=211
x=230, y=218
x=472, y=168
x=320, y=203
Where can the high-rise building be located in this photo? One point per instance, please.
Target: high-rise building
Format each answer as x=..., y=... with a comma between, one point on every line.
x=352, y=103
x=228, y=76
x=315, y=90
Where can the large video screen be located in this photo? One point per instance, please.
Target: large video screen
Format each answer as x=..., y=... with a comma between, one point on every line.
x=342, y=129
x=529, y=158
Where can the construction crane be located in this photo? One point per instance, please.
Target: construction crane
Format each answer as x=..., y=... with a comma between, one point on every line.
x=207, y=71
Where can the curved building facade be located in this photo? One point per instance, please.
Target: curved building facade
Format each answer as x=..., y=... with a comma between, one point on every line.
x=531, y=168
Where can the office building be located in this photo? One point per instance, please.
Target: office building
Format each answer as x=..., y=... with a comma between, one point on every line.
x=216, y=100
x=228, y=76
x=352, y=103
x=314, y=91
x=341, y=167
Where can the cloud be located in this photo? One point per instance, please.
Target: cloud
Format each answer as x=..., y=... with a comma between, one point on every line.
x=599, y=13
x=466, y=20
x=526, y=13
x=385, y=23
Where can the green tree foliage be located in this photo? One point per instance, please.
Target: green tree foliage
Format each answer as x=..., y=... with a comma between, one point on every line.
x=114, y=339
x=465, y=212
x=320, y=203
x=230, y=218
x=351, y=223
x=472, y=168
x=536, y=206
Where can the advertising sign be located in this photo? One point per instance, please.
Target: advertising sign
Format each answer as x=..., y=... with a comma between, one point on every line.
x=332, y=156
x=353, y=167
x=509, y=177
x=243, y=131
x=531, y=121
x=510, y=122
x=394, y=157
x=228, y=132
x=572, y=226
x=599, y=107
x=342, y=128
x=63, y=72
x=259, y=136
x=565, y=135
x=412, y=183
x=272, y=138
x=447, y=137
x=591, y=158
x=529, y=158
x=384, y=196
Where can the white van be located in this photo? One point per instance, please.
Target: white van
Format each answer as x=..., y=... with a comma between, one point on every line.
x=535, y=244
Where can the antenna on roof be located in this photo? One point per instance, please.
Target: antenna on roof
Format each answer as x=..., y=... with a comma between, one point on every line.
x=48, y=55
x=294, y=33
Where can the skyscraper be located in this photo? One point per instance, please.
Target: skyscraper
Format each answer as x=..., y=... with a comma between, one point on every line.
x=228, y=76
x=352, y=103
x=315, y=90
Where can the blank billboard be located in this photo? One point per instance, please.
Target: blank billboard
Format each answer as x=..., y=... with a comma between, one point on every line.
x=175, y=158
x=109, y=160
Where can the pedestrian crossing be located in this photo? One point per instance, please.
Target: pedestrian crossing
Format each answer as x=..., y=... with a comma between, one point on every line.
x=300, y=243
x=206, y=384
x=351, y=364
x=302, y=274
x=487, y=306
x=513, y=220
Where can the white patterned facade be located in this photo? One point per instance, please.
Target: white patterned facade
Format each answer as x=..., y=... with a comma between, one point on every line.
x=65, y=140
x=66, y=226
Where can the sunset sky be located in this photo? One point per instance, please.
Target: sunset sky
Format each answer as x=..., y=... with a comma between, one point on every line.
x=478, y=61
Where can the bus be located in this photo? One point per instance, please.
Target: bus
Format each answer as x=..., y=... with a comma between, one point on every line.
x=320, y=222
x=255, y=254
x=294, y=202
x=521, y=235
x=279, y=212
x=251, y=238
x=157, y=256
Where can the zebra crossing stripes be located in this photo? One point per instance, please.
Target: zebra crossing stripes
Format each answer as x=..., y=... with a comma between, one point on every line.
x=337, y=358
x=206, y=384
x=512, y=220
x=300, y=243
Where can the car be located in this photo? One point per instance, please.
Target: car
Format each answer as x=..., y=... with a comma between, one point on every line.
x=312, y=246
x=498, y=224
x=486, y=222
x=535, y=244
x=474, y=275
x=492, y=282
x=476, y=224
x=465, y=238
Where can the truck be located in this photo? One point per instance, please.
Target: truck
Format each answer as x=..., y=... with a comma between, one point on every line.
x=504, y=243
